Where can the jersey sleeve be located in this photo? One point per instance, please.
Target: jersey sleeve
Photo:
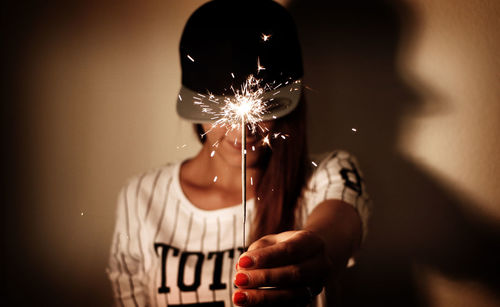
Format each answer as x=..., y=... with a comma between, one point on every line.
x=125, y=264
x=339, y=177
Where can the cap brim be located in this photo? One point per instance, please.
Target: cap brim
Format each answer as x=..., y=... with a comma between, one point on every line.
x=203, y=108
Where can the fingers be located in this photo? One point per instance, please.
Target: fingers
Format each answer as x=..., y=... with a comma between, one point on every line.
x=311, y=271
x=299, y=296
x=262, y=242
x=281, y=249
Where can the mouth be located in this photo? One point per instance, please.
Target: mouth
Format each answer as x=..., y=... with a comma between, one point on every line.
x=253, y=141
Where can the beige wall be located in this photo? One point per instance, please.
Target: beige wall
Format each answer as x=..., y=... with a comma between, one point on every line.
x=100, y=84
x=451, y=54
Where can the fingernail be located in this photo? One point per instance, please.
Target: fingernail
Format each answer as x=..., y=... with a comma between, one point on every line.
x=241, y=279
x=245, y=262
x=240, y=298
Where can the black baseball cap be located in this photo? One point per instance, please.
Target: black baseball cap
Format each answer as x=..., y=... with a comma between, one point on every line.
x=226, y=41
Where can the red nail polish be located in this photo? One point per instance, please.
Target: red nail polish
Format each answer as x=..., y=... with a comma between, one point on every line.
x=241, y=279
x=240, y=298
x=245, y=262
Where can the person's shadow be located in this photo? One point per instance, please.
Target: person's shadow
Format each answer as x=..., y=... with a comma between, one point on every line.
x=349, y=50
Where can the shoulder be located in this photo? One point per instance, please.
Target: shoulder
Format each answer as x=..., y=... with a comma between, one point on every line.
x=335, y=167
x=147, y=181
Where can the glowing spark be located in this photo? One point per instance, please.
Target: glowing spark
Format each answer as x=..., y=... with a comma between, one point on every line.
x=283, y=137
x=274, y=117
x=212, y=154
x=215, y=179
x=180, y=147
x=354, y=129
x=259, y=67
x=251, y=180
x=189, y=57
x=314, y=163
x=253, y=148
x=265, y=141
x=258, y=198
x=265, y=37
x=232, y=75
x=81, y=214
x=180, y=97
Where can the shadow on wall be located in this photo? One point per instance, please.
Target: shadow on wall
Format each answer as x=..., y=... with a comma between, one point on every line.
x=349, y=53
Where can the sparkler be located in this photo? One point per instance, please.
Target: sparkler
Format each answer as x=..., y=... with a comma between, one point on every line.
x=244, y=110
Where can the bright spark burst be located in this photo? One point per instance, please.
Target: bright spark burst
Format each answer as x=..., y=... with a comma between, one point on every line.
x=215, y=179
x=314, y=163
x=246, y=105
x=354, y=129
x=212, y=154
x=190, y=58
x=251, y=180
x=265, y=37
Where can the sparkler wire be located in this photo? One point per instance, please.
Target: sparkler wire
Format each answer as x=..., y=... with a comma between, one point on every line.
x=244, y=177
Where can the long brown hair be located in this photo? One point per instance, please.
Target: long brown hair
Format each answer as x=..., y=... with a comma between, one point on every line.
x=286, y=170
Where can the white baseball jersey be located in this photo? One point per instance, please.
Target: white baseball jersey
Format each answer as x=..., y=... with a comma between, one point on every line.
x=168, y=252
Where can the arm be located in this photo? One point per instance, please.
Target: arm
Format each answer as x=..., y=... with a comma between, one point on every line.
x=297, y=264
x=339, y=227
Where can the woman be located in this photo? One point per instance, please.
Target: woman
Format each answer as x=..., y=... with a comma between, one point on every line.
x=179, y=227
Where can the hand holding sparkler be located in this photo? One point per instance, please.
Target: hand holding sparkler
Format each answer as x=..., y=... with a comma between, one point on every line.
x=291, y=267
x=288, y=268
